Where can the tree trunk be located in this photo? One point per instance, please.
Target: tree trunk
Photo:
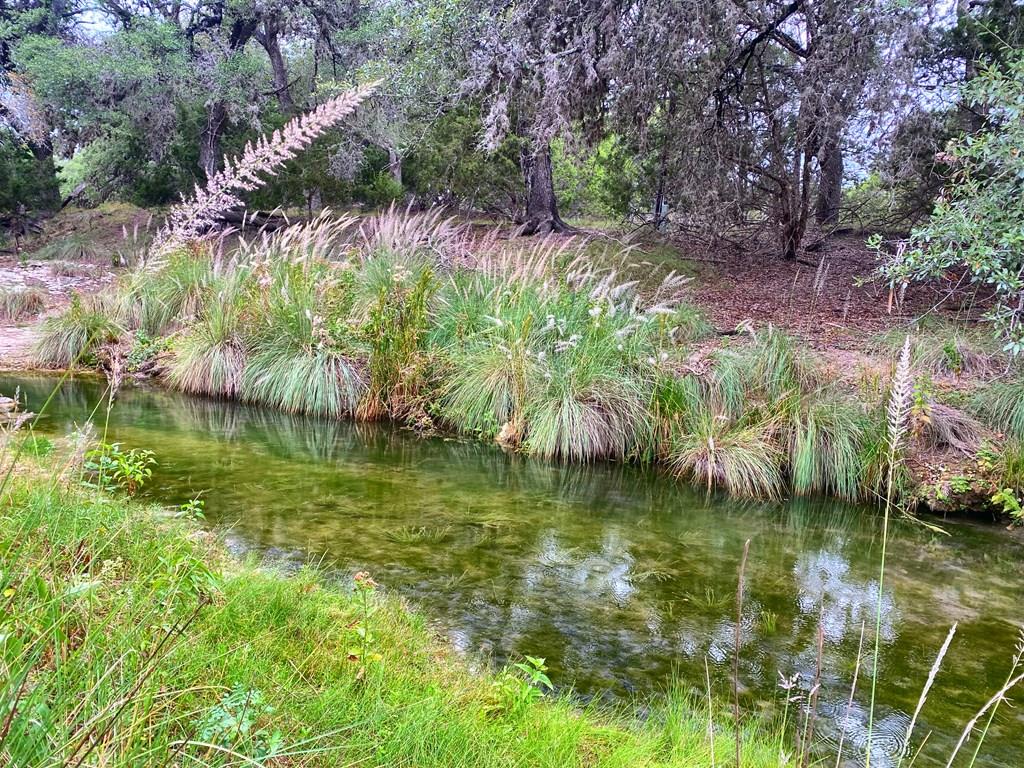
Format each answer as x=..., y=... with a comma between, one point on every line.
x=541, y=206
x=830, y=183
x=209, y=139
x=395, y=164
x=270, y=39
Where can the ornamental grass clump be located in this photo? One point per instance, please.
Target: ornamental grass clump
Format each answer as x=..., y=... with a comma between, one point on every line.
x=744, y=459
x=159, y=299
x=210, y=358
x=71, y=337
x=757, y=417
x=19, y=304
x=824, y=447
x=559, y=361
x=1001, y=406
x=303, y=357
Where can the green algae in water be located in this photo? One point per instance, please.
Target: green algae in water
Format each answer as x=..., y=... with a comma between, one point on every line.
x=621, y=578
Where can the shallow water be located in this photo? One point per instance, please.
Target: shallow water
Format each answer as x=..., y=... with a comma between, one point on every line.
x=621, y=578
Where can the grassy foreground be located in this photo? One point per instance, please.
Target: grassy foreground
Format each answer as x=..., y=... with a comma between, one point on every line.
x=129, y=637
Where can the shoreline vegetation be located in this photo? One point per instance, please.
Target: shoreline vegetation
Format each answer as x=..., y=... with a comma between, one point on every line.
x=556, y=351
x=131, y=637
x=542, y=347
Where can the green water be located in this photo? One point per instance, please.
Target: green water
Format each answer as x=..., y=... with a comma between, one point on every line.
x=622, y=579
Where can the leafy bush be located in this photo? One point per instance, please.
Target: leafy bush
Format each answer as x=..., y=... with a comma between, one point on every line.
x=977, y=220
x=110, y=466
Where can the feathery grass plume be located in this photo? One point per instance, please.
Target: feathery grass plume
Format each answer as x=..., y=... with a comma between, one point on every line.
x=900, y=399
x=322, y=239
x=191, y=218
x=21, y=303
x=1001, y=406
x=87, y=324
x=897, y=416
x=429, y=235
x=936, y=665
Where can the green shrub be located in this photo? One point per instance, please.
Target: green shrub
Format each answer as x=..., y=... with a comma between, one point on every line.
x=394, y=332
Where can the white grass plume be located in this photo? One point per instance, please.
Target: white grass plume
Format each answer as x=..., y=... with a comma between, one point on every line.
x=192, y=217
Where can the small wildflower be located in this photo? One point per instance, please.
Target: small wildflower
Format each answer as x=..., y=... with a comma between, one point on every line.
x=364, y=580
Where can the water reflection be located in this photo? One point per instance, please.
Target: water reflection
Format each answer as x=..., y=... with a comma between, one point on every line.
x=621, y=578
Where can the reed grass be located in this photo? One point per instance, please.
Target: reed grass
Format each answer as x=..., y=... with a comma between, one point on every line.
x=70, y=338
x=20, y=304
x=530, y=345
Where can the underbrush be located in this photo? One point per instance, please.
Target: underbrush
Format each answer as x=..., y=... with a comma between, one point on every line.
x=130, y=639
x=528, y=345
